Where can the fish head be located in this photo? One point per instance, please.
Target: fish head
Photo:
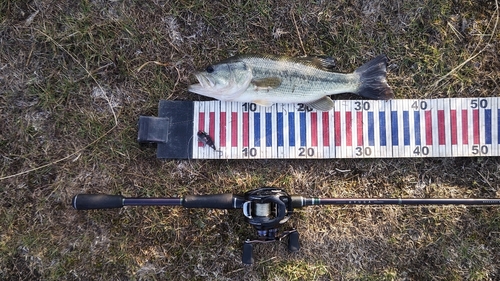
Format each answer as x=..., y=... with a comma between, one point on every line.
x=226, y=80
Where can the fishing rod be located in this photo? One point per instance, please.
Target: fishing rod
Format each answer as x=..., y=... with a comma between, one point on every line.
x=266, y=209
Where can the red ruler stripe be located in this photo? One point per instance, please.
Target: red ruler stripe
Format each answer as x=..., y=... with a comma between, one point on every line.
x=441, y=128
x=326, y=129
x=359, y=126
x=428, y=128
x=222, y=139
x=245, y=129
x=314, y=129
x=453, y=119
x=475, y=125
x=201, y=126
x=338, y=140
x=348, y=128
x=465, y=127
x=234, y=129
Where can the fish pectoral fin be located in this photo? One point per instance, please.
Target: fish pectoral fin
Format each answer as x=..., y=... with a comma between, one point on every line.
x=266, y=83
x=323, y=104
x=262, y=102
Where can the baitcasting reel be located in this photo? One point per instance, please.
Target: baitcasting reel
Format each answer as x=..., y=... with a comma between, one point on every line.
x=266, y=209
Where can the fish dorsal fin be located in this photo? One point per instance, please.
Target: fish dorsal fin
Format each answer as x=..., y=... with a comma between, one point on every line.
x=323, y=104
x=266, y=83
x=320, y=62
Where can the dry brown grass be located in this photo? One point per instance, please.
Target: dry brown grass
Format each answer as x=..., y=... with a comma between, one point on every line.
x=67, y=68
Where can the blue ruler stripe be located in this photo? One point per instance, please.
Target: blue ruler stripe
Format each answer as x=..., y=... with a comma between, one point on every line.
x=382, y=128
x=256, y=129
x=303, y=140
x=269, y=130
x=394, y=128
x=291, y=128
x=487, y=126
x=416, y=118
x=406, y=128
x=371, y=129
x=280, y=129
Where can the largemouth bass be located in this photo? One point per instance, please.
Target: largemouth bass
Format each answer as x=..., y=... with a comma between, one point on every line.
x=266, y=80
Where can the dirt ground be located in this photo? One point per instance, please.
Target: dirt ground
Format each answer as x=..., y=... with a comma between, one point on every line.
x=76, y=75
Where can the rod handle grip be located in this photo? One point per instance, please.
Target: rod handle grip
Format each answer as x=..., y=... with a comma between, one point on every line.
x=214, y=201
x=96, y=201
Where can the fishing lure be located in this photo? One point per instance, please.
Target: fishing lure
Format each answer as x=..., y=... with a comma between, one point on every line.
x=206, y=139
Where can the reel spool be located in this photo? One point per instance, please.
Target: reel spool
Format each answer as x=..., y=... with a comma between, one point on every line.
x=266, y=209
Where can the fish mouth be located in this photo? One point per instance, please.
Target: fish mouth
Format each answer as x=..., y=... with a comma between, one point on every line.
x=204, y=84
x=205, y=81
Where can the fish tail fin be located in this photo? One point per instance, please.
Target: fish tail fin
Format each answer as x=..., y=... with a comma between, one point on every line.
x=372, y=78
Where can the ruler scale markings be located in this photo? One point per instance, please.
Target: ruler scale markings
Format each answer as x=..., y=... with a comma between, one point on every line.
x=196, y=127
x=374, y=131
x=223, y=128
x=308, y=134
x=475, y=125
x=382, y=135
x=371, y=129
x=325, y=125
x=464, y=126
x=291, y=132
x=402, y=151
x=319, y=149
x=286, y=143
x=348, y=128
x=428, y=127
x=314, y=129
x=359, y=128
x=302, y=129
x=471, y=129
x=256, y=130
x=447, y=122
x=233, y=122
x=245, y=129
x=454, y=127
x=354, y=129
x=338, y=140
x=441, y=128
x=416, y=128
x=394, y=132
x=439, y=124
x=234, y=129
x=495, y=129
x=453, y=124
x=240, y=128
x=435, y=125
x=487, y=126
x=388, y=128
x=201, y=126
x=406, y=127
x=280, y=133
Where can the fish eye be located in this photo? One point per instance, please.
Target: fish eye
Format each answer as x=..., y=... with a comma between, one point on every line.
x=210, y=69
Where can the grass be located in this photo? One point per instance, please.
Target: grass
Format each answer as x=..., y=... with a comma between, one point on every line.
x=67, y=69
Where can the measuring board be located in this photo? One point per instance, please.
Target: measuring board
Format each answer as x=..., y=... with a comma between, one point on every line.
x=450, y=127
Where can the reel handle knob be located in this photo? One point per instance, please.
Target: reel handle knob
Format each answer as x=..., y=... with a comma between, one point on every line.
x=293, y=242
x=247, y=257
